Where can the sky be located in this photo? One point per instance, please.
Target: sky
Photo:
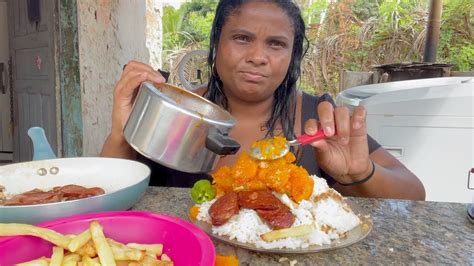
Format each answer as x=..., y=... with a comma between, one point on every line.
x=174, y=3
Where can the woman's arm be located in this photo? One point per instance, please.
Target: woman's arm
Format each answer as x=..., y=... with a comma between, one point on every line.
x=117, y=147
x=391, y=179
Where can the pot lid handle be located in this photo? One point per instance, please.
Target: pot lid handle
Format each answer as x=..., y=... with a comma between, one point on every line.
x=220, y=143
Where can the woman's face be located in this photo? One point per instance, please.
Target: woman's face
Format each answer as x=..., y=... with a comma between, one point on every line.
x=254, y=51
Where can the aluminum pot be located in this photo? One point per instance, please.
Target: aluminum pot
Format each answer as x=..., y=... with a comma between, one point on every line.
x=179, y=129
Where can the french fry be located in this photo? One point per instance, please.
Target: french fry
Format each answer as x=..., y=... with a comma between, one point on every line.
x=149, y=260
x=122, y=252
x=31, y=230
x=87, y=250
x=72, y=257
x=165, y=257
x=81, y=250
x=86, y=261
x=104, y=251
x=125, y=262
x=296, y=231
x=57, y=257
x=164, y=263
x=151, y=249
x=43, y=261
x=79, y=241
x=70, y=263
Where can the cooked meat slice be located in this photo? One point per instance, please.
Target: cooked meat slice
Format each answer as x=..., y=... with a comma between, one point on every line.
x=224, y=208
x=71, y=192
x=2, y=196
x=34, y=196
x=94, y=191
x=258, y=199
x=70, y=189
x=278, y=218
x=37, y=196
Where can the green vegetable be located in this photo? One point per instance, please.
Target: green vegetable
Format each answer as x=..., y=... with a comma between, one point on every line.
x=202, y=191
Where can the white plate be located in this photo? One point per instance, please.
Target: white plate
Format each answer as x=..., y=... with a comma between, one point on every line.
x=353, y=236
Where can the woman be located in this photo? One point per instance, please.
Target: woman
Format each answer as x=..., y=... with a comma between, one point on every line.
x=256, y=48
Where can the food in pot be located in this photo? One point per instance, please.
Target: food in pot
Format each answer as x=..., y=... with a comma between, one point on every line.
x=57, y=194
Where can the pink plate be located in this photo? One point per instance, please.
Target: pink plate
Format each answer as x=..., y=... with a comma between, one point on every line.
x=182, y=241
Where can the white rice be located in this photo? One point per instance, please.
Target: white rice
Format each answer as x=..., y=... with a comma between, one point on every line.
x=246, y=227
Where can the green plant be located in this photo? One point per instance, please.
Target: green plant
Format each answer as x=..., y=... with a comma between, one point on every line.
x=172, y=24
x=201, y=27
x=462, y=57
x=185, y=29
x=344, y=35
x=358, y=34
x=456, y=44
x=365, y=9
x=313, y=11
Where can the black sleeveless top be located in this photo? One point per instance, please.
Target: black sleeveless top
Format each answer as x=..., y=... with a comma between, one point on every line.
x=164, y=176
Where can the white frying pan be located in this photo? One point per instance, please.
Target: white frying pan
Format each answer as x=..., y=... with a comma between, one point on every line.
x=124, y=182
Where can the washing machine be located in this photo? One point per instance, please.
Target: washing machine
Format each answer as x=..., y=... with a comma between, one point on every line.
x=427, y=124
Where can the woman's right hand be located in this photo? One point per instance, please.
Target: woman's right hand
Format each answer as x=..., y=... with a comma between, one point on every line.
x=126, y=89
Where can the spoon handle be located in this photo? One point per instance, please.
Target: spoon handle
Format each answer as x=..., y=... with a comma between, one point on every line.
x=306, y=139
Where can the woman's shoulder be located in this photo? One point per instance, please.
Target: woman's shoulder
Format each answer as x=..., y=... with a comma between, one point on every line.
x=314, y=100
x=310, y=102
x=200, y=90
x=325, y=96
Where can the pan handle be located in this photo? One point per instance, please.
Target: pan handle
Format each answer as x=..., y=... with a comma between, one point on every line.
x=41, y=148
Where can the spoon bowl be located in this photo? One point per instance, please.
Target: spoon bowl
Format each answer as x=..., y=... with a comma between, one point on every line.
x=277, y=147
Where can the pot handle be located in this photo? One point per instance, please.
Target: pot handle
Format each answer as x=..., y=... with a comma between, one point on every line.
x=41, y=148
x=220, y=143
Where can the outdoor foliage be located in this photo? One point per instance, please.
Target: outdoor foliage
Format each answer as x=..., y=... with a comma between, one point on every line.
x=186, y=29
x=344, y=35
x=456, y=44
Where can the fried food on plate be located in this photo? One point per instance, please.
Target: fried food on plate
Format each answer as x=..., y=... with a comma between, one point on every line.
x=89, y=248
x=295, y=231
x=79, y=240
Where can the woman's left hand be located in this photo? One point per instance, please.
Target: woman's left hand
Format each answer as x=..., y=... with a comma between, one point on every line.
x=343, y=155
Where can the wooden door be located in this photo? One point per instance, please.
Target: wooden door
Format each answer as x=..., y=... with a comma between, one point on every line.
x=6, y=123
x=32, y=47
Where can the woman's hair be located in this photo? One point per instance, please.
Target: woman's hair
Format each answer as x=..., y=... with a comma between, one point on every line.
x=284, y=103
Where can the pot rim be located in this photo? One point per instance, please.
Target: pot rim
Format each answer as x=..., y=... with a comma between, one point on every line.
x=226, y=123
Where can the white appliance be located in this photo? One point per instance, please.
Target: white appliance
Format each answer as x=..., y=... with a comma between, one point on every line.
x=428, y=124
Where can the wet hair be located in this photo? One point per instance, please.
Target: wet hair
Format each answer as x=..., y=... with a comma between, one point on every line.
x=284, y=103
